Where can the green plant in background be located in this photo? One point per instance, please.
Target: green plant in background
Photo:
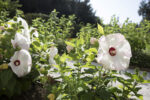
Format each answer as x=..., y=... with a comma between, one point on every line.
x=56, y=29
x=9, y=6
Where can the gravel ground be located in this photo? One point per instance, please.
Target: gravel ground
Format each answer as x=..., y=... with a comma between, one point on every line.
x=145, y=91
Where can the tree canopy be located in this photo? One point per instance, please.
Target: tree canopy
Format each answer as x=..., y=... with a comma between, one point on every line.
x=81, y=8
x=144, y=9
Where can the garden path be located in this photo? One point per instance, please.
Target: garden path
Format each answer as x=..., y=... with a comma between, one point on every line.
x=145, y=91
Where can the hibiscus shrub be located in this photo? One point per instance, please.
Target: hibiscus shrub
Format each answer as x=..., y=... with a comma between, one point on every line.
x=138, y=36
x=30, y=54
x=13, y=80
x=79, y=78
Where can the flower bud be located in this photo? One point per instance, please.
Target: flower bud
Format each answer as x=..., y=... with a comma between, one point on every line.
x=51, y=96
x=93, y=40
x=2, y=27
x=69, y=48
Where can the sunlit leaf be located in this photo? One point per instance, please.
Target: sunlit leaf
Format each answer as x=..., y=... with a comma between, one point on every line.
x=100, y=29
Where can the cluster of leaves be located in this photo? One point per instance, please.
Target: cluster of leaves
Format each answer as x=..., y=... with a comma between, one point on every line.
x=9, y=6
x=55, y=29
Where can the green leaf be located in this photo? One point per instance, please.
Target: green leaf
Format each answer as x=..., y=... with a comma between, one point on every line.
x=80, y=89
x=70, y=44
x=140, y=97
x=146, y=81
x=63, y=58
x=57, y=66
x=37, y=43
x=11, y=87
x=87, y=66
x=100, y=29
x=5, y=76
x=86, y=96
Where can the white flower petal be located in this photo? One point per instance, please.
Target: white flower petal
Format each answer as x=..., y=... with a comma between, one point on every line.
x=35, y=33
x=103, y=44
x=125, y=49
x=25, y=31
x=24, y=67
x=53, y=52
x=52, y=61
x=20, y=41
x=119, y=58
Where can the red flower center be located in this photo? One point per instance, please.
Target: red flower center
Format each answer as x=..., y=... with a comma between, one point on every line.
x=112, y=51
x=17, y=62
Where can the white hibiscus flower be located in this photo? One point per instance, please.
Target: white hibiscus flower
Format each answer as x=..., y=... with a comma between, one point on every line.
x=114, y=52
x=21, y=63
x=53, y=52
x=20, y=41
x=25, y=31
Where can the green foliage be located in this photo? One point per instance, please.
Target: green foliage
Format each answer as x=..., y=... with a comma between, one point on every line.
x=10, y=6
x=55, y=30
x=140, y=59
x=10, y=85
